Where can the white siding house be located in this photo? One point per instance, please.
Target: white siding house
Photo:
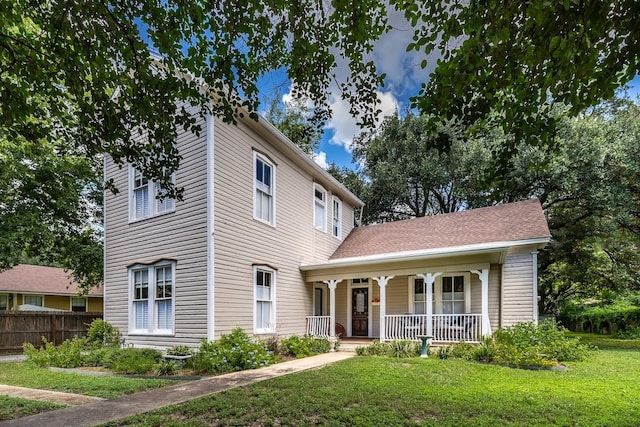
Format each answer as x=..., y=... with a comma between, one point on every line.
x=264, y=239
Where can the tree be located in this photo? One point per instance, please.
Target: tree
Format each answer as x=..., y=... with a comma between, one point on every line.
x=517, y=59
x=48, y=203
x=78, y=81
x=409, y=177
x=292, y=118
x=587, y=183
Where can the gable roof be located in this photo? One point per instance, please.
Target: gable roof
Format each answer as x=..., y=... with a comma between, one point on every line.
x=519, y=222
x=38, y=279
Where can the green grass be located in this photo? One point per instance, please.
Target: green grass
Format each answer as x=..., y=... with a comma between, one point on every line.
x=605, y=341
x=371, y=391
x=27, y=375
x=15, y=407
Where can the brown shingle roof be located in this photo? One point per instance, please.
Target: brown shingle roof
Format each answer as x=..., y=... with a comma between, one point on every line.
x=41, y=280
x=502, y=223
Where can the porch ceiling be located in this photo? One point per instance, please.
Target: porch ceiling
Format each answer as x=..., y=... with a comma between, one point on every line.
x=403, y=265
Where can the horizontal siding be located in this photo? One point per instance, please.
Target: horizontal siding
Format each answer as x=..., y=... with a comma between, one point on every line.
x=517, y=298
x=241, y=241
x=180, y=235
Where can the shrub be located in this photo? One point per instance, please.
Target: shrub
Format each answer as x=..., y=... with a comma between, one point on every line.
x=180, y=350
x=167, y=367
x=103, y=333
x=305, y=346
x=632, y=333
x=403, y=349
x=134, y=360
x=462, y=350
x=233, y=352
x=443, y=352
x=375, y=349
x=69, y=354
x=397, y=348
x=526, y=345
x=485, y=351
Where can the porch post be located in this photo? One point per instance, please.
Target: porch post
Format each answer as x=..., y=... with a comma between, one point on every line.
x=429, y=280
x=331, y=284
x=382, y=282
x=484, y=279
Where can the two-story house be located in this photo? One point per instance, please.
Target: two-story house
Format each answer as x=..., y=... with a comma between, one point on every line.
x=264, y=240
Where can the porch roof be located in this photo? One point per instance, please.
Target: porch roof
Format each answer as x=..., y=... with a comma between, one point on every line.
x=478, y=235
x=511, y=222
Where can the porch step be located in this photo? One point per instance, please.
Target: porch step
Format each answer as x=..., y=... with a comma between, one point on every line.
x=351, y=346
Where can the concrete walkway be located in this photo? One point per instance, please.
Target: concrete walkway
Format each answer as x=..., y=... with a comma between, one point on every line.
x=99, y=412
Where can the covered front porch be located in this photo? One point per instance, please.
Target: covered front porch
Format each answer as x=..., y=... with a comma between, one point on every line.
x=451, y=304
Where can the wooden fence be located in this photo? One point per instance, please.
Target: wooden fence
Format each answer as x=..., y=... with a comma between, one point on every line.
x=18, y=327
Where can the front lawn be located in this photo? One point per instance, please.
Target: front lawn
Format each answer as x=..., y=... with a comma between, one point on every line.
x=27, y=375
x=369, y=391
x=15, y=407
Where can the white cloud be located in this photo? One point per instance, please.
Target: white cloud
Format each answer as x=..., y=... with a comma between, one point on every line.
x=404, y=76
x=321, y=159
x=344, y=126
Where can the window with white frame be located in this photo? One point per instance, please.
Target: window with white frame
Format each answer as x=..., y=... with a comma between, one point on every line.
x=264, y=190
x=163, y=298
x=141, y=299
x=264, y=316
x=319, y=207
x=4, y=302
x=33, y=300
x=420, y=296
x=146, y=197
x=453, y=295
x=152, y=298
x=78, y=304
x=337, y=218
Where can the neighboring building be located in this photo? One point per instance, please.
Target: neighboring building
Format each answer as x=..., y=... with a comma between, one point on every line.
x=263, y=240
x=37, y=287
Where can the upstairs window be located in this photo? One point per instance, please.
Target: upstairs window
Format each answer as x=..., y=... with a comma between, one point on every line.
x=263, y=184
x=144, y=197
x=319, y=208
x=337, y=218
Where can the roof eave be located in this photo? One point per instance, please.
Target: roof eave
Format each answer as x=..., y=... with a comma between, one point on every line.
x=482, y=248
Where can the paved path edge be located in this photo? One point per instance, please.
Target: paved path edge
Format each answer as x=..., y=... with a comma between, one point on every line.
x=100, y=412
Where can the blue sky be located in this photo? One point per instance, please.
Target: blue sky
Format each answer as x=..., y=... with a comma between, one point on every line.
x=334, y=146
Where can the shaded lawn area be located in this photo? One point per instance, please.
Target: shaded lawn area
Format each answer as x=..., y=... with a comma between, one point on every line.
x=27, y=375
x=605, y=341
x=366, y=391
x=15, y=407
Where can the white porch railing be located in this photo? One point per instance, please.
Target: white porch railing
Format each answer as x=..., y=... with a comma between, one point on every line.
x=318, y=326
x=445, y=327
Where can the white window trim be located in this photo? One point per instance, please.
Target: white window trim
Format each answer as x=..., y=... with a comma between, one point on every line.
x=323, y=226
x=151, y=300
x=153, y=202
x=86, y=303
x=333, y=204
x=272, y=320
x=437, y=295
x=265, y=160
x=33, y=295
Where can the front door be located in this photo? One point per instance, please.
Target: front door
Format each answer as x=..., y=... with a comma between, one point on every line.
x=360, y=312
